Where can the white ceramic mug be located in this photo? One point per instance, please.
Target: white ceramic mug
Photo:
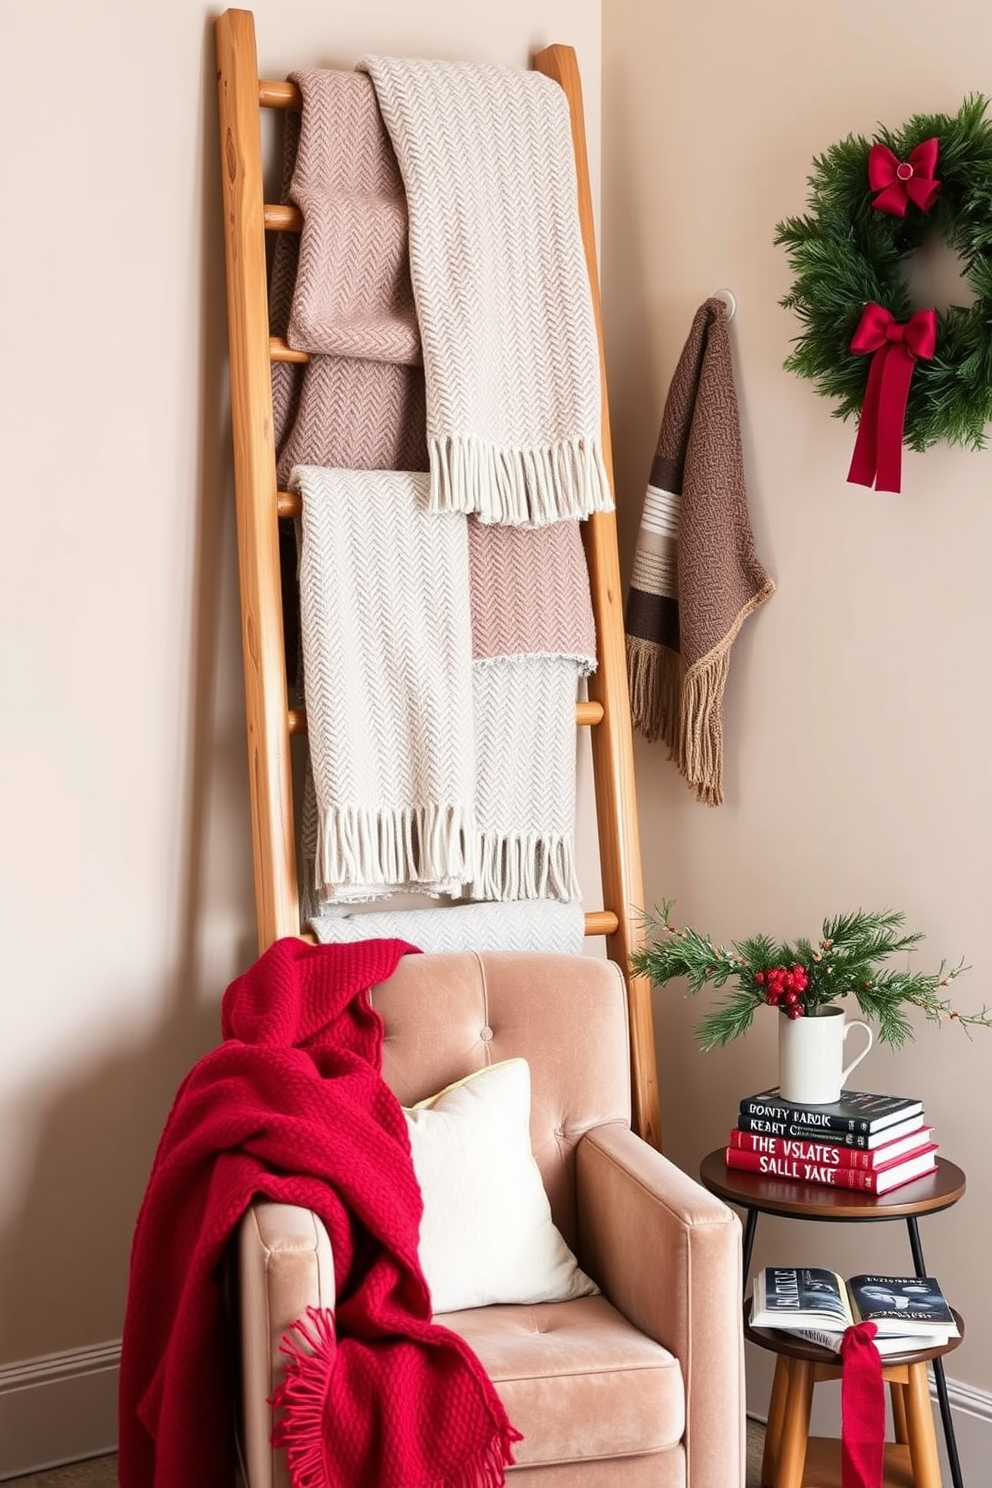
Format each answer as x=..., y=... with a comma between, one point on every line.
x=811, y=1069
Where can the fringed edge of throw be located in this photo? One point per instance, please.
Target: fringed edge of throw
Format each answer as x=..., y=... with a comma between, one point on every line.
x=653, y=675
x=685, y=706
x=366, y=845
x=485, y=1468
x=698, y=748
x=700, y=734
x=524, y=865
x=518, y=486
x=299, y=1401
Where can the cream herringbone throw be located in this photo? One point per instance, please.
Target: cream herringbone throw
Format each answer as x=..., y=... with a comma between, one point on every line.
x=533, y=638
x=384, y=600
x=536, y=925
x=510, y=347
x=525, y=789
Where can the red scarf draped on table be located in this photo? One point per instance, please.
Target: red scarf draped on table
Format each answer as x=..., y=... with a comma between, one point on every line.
x=292, y=1107
x=862, y=1403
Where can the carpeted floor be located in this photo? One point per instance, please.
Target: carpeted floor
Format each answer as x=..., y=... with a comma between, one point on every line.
x=101, y=1472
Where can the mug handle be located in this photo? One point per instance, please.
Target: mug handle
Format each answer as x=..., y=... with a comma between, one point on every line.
x=855, y=1023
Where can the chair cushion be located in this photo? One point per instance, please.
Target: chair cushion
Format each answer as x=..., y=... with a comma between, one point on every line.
x=487, y=1235
x=577, y=1379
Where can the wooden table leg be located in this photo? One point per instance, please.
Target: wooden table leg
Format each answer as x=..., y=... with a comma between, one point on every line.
x=795, y=1425
x=898, y=1400
x=920, y=1432
x=776, y=1415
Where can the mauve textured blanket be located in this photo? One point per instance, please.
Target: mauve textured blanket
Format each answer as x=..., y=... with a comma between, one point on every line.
x=292, y=1107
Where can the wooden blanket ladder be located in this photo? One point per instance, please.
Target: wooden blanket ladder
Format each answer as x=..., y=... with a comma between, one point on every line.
x=260, y=505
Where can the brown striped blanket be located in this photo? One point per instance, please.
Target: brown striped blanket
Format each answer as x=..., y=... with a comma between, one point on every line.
x=696, y=576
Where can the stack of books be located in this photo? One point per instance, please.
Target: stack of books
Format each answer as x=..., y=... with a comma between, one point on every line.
x=909, y=1312
x=873, y=1143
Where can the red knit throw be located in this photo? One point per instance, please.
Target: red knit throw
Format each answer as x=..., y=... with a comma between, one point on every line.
x=292, y=1107
x=862, y=1409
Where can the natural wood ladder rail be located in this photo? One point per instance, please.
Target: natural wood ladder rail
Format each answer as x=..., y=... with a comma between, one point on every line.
x=247, y=218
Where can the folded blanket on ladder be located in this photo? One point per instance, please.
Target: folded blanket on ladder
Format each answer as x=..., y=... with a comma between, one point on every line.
x=528, y=925
x=696, y=576
x=384, y=602
x=524, y=641
x=510, y=348
x=531, y=616
x=533, y=638
x=292, y=1107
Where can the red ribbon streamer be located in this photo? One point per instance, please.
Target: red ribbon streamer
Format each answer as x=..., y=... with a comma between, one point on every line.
x=862, y=1409
x=898, y=182
x=877, y=458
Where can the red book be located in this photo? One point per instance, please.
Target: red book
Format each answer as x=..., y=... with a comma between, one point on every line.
x=866, y=1180
x=830, y=1154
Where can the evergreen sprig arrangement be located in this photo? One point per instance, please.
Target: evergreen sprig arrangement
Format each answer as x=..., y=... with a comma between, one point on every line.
x=845, y=254
x=803, y=977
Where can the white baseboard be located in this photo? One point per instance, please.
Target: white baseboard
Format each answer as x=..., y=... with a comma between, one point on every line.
x=971, y=1415
x=58, y=1408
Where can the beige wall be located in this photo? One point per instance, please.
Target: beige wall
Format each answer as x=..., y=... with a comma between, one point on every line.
x=125, y=893
x=858, y=710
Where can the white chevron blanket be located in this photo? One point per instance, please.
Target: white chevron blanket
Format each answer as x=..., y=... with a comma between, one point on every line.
x=510, y=349
x=526, y=926
x=387, y=667
x=525, y=811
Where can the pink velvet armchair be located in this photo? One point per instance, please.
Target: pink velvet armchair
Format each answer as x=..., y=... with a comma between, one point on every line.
x=639, y=1385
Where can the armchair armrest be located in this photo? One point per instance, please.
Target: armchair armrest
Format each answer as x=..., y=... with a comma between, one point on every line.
x=667, y=1253
x=285, y=1265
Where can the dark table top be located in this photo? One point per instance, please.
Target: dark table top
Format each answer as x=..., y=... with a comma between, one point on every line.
x=769, y=1195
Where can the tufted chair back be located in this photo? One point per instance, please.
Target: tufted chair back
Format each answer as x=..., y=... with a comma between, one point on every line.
x=448, y=1016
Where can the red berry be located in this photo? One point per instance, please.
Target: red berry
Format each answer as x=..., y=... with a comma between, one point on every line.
x=794, y=1012
x=759, y=977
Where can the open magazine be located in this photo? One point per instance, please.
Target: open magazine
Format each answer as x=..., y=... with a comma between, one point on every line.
x=910, y=1312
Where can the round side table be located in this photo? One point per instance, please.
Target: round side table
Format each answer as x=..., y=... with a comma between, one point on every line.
x=792, y=1456
x=758, y=1193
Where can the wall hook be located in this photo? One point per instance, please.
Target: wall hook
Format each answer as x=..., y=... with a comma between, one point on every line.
x=729, y=299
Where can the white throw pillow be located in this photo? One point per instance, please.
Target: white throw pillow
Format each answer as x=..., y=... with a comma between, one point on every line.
x=487, y=1234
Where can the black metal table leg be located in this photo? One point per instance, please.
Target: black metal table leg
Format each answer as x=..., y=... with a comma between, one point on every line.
x=750, y=1225
x=950, y=1440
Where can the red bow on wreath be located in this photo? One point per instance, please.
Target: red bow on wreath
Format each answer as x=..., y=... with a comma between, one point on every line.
x=898, y=182
x=877, y=458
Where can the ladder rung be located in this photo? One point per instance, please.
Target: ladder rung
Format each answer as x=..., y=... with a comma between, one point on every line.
x=602, y=922
x=282, y=218
x=587, y=714
x=598, y=922
x=280, y=352
x=273, y=94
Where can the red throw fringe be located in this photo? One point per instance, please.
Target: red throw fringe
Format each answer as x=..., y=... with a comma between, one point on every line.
x=300, y=1399
x=300, y=1403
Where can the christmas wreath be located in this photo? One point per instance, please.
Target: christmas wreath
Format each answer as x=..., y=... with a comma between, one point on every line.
x=913, y=376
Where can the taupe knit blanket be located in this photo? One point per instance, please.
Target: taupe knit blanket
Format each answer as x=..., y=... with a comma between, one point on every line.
x=499, y=276
x=532, y=631
x=696, y=576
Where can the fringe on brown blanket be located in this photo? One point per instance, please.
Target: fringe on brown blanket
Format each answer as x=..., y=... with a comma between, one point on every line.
x=696, y=576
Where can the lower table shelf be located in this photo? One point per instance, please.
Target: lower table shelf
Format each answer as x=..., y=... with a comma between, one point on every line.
x=823, y=1468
